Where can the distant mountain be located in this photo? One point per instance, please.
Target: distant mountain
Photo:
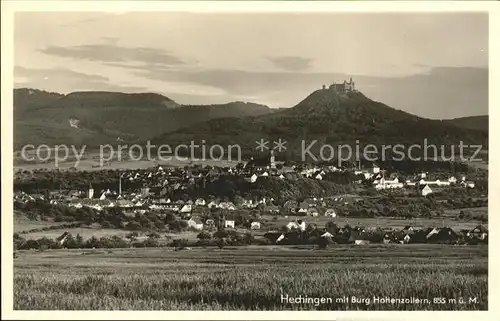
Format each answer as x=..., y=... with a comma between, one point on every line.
x=472, y=122
x=330, y=118
x=94, y=118
x=30, y=98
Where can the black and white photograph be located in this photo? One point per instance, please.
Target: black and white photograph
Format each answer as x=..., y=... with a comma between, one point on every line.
x=248, y=160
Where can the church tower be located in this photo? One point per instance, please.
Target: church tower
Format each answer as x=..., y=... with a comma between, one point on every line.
x=272, y=161
x=90, y=193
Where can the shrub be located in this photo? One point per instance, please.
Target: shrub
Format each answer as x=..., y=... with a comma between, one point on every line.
x=221, y=233
x=92, y=242
x=248, y=238
x=151, y=242
x=203, y=242
x=204, y=235
x=134, y=226
x=179, y=243
x=30, y=244
x=132, y=236
x=221, y=243
x=154, y=235
x=323, y=242
x=105, y=224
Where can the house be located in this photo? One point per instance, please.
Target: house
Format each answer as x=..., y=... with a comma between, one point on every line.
x=248, y=203
x=307, y=203
x=410, y=183
x=302, y=210
x=452, y=180
x=290, y=206
x=425, y=190
x=227, y=206
x=318, y=177
x=229, y=223
x=312, y=211
x=327, y=234
x=442, y=183
x=75, y=204
x=480, y=232
x=255, y=225
x=468, y=184
x=292, y=225
x=443, y=235
x=432, y=232
x=61, y=239
x=195, y=223
x=124, y=203
x=212, y=204
x=200, y=202
x=186, y=208
x=330, y=213
x=408, y=229
x=253, y=178
x=387, y=184
x=298, y=225
x=172, y=207
x=273, y=209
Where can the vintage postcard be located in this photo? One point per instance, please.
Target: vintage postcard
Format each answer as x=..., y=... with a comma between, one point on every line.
x=273, y=158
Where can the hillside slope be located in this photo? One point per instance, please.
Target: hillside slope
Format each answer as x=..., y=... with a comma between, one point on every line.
x=472, y=122
x=329, y=118
x=94, y=118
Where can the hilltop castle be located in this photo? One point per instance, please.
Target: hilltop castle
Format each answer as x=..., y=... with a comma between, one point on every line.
x=344, y=87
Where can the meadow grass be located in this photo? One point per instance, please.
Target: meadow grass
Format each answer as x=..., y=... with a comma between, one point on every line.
x=250, y=278
x=385, y=222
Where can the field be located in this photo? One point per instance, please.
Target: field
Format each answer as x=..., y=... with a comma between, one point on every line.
x=24, y=226
x=253, y=278
x=387, y=222
x=22, y=223
x=90, y=161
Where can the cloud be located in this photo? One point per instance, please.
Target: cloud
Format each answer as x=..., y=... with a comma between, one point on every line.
x=291, y=63
x=420, y=65
x=442, y=93
x=43, y=74
x=111, y=40
x=66, y=80
x=114, y=53
x=90, y=18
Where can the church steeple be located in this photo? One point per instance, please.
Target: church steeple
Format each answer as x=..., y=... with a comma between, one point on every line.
x=90, y=192
x=272, y=161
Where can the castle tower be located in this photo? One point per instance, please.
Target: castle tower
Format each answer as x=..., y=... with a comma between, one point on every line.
x=272, y=161
x=90, y=192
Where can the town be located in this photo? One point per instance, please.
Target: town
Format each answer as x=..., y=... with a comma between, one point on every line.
x=255, y=202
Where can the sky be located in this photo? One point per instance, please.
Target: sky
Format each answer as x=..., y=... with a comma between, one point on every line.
x=433, y=65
